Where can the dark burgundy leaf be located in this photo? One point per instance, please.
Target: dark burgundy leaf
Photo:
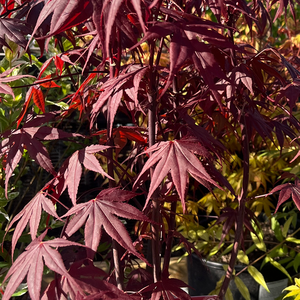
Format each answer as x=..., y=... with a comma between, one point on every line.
x=15, y=30
x=14, y=146
x=138, y=279
x=167, y=288
x=282, y=5
x=112, y=19
x=74, y=12
x=291, y=93
x=229, y=218
x=113, y=92
x=89, y=280
x=39, y=120
x=288, y=190
x=292, y=70
x=180, y=51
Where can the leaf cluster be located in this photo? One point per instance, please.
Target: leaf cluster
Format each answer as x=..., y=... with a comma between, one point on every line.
x=119, y=118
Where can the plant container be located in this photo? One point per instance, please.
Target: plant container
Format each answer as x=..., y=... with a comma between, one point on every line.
x=203, y=276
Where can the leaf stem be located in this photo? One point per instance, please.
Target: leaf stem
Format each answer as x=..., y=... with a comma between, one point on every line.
x=241, y=209
x=155, y=228
x=39, y=81
x=110, y=170
x=169, y=243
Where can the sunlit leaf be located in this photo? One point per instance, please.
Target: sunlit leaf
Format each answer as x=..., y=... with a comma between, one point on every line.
x=242, y=288
x=258, y=277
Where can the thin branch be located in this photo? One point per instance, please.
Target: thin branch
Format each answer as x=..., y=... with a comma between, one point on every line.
x=40, y=81
x=241, y=210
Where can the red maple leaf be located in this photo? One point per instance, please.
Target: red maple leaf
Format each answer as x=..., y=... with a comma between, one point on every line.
x=31, y=214
x=177, y=158
x=71, y=169
x=37, y=95
x=59, y=61
x=89, y=281
x=230, y=218
x=77, y=99
x=7, y=6
x=167, y=288
x=114, y=7
x=31, y=263
x=6, y=89
x=113, y=90
x=288, y=190
x=14, y=147
x=101, y=212
x=73, y=12
x=28, y=138
x=15, y=30
x=122, y=134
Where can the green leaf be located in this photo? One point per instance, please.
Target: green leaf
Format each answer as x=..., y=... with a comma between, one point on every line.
x=257, y=276
x=203, y=234
x=296, y=262
x=293, y=293
x=61, y=105
x=20, y=293
x=218, y=286
x=293, y=240
x=4, y=214
x=4, y=124
x=13, y=195
x=294, y=219
x=259, y=243
x=277, y=229
x=4, y=264
x=182, y=257
x=227, y=250
x=266, y=260
x=242, y=257
x=242, y=288
x=228, y=295
x=192, y=234
x=285, y=261
x=225, y=267
x=250, y=249
x=280, y=267
x=22, y=289
x=214, y=250
x=287, y=225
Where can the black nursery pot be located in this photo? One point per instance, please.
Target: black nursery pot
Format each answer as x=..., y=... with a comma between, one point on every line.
x=203, y=276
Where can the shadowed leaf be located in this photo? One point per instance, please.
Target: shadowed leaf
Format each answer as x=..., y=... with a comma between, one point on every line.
x=30, y=263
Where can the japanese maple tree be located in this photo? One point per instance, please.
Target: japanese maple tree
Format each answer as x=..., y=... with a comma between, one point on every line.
x=143, y=95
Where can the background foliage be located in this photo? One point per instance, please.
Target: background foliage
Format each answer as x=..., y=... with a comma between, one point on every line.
x=118, y=113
